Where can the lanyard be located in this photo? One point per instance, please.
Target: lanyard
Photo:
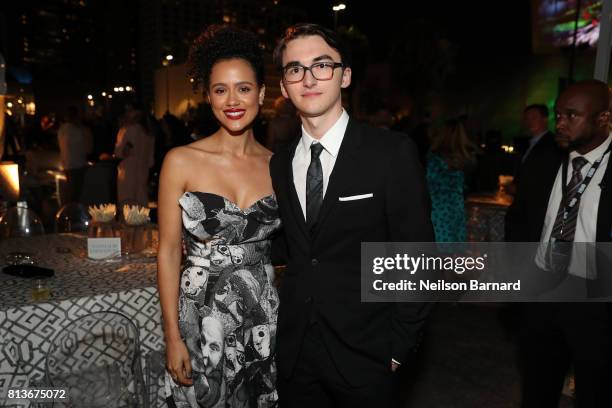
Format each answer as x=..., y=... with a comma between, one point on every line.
x=581, y=188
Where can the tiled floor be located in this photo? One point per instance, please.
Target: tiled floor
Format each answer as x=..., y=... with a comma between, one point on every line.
x=468, y=360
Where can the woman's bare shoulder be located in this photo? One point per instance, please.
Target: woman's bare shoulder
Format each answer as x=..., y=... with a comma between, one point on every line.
x=206, y=145
x=193, y=151
x=176, y=155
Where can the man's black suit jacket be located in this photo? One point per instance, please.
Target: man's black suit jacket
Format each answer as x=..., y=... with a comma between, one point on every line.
x=322, y=279
x=544, y=146
x=546, y=143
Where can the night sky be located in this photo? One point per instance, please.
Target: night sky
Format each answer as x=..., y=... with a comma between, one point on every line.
x=475, y=26
x=488, y=40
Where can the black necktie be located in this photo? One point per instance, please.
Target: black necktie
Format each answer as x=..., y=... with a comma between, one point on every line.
x=566, y=230
x=314, y=184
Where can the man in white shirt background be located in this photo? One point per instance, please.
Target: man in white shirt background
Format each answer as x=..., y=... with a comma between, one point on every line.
x=75, y=143
x=536, y=122
x=540, y=140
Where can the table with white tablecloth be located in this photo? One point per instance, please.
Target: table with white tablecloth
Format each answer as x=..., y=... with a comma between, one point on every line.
x=80, y=286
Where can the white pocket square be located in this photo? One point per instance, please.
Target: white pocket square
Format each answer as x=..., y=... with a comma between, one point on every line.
x=356, y=197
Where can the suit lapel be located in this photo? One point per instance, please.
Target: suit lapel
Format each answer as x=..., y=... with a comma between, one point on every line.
x=545, y=174
x=604, y=216
x=341, y=175
x=298, y=214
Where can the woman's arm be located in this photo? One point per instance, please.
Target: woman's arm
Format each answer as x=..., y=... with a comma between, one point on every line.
x=171, y=187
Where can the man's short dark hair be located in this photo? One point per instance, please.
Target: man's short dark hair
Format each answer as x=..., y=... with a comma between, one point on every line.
x=307, y=29
x=541, y=108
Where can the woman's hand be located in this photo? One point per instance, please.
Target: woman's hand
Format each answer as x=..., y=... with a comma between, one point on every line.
x=178, y=362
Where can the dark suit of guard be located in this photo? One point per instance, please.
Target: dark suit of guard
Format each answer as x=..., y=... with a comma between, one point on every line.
x=555, y=336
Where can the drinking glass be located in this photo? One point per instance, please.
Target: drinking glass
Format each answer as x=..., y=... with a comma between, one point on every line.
x=40, y=289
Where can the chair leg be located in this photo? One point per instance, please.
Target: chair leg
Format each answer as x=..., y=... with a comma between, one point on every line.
x=154, y=370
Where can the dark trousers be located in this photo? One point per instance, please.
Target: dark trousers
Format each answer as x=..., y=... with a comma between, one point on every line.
x=557, y=336
x=316, y=382
x=75, y=179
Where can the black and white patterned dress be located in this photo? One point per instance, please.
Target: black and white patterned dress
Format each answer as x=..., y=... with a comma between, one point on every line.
x=227, y=304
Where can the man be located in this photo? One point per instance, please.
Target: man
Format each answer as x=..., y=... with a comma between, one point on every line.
x=74, y=145
x=535, y=118
x=555, y=336
x=341, y=183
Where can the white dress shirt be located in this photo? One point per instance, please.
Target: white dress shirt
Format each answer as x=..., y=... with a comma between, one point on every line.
x=331, y=141
x=74, y=145
x=586, y=222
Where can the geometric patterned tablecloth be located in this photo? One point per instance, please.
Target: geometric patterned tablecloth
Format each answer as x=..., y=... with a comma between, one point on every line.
x=75, y=274
x=79, y=287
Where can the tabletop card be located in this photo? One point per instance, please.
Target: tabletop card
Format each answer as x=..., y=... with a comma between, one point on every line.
x=101, y=248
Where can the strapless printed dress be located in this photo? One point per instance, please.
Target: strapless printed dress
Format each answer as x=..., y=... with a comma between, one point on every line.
x=227, y=304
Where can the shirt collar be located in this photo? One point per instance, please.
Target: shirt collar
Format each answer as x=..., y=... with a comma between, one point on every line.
x=539, y=135
x=331, y=140
x=595, y=153
x=535, y=139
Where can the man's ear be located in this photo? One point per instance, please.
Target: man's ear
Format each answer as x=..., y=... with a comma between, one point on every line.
x=604, y=119
x=346, y=77
x=283, y=90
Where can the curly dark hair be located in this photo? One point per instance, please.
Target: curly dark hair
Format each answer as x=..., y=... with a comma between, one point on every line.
x=217, y=43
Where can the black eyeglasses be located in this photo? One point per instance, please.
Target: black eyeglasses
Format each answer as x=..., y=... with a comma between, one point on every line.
x=322, y=71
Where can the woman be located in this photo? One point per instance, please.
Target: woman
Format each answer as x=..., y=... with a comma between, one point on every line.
x=217, y=192
x=135, y=146
x=451, y=151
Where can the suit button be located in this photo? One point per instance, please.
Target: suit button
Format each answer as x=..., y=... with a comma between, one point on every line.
x=308, y=300
x=314, y=261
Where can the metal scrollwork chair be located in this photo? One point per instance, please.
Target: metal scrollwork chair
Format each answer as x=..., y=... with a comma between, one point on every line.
x=155, y=370
x=97, y=359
